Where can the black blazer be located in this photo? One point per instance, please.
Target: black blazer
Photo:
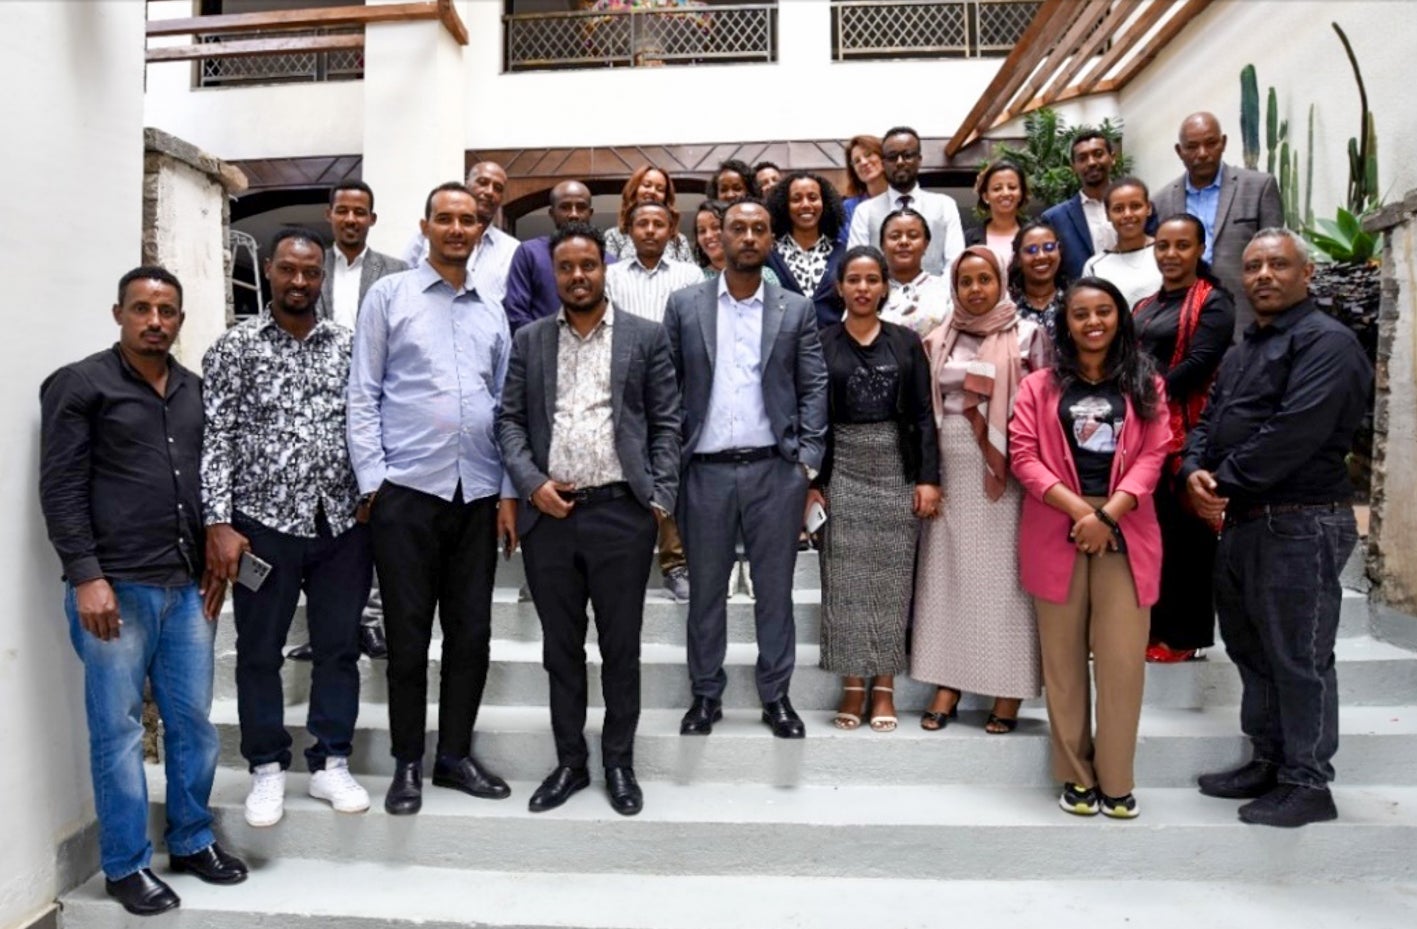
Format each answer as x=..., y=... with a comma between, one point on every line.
x=825, y=299
x=915, y=414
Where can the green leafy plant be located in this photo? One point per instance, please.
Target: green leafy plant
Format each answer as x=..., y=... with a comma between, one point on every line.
x=1343, y=240
x=1046, y=156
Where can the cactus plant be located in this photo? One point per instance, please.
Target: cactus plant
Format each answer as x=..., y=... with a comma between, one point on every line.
x=1271, y=129
x=1362, y=150
x=1250, y=116
x=1309, y=173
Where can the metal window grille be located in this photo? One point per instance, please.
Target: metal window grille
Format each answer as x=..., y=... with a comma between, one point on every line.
x=641, y=38
x=875, y=29
x=295, y=67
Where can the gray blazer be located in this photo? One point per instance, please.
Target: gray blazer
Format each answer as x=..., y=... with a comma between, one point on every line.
x=375, y=266
x=794, y=370
x=644, y=401
x=1249, y=202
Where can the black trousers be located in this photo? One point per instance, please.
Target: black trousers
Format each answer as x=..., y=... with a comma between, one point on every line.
x=335, y=573
x=432, y=554
x=1184, y=617
x=599, y=554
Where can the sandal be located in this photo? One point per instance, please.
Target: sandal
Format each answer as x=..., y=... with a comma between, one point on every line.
x=931, y=721
x=849, y=721
x=1000, y=725
x=883, y=723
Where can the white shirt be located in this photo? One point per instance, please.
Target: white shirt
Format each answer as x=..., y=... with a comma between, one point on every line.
x=1104, y=236
x=344, y=287
x=1134, y=273
x=939, y=210
x=737, y=416
x=644, y=292
x=920, y=305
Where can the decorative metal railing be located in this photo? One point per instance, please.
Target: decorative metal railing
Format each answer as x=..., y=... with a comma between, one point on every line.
x=875, y=29
x=641, y=37
x=285, y=68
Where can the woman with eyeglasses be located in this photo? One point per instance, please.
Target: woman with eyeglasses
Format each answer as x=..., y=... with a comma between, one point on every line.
x=647, y=185
x=1036, y=278
x=1185, y=327
x=918, y=299
x=1131, y=265
x=708, y=241
x=865, y=177
x=1088, y=440
x=1002, y=189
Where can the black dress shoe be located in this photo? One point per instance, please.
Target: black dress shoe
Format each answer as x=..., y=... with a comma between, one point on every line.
x=626, y=798
x=301, y=653
x=1247, y=782
x=405, y=796
x=467, y=775
x=371, y=641
x=783, y=720
x=142, y=894
x=558, y=787
x=701, y=716
x=212, y=864
x=1290, y=806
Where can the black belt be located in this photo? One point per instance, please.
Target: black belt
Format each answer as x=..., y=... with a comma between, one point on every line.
x=737, y=455
x=602, y=494
x=1251, y=513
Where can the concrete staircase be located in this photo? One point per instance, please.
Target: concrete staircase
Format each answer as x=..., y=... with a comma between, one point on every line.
x=742, y=831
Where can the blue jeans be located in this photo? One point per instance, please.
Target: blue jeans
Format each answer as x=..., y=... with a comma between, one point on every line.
x=166, y=638
x=1278, y=595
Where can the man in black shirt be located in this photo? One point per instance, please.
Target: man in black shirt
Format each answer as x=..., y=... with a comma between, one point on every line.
x=120, y=440
x=1269, y=457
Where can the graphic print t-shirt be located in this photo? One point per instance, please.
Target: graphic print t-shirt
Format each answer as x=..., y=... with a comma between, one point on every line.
x=1092, y=417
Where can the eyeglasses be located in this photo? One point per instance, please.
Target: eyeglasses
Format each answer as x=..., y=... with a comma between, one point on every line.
x=901, y=156
x=1047, y=247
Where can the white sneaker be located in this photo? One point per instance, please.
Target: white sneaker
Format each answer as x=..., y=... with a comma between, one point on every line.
x=265, y=804
x=338, y=786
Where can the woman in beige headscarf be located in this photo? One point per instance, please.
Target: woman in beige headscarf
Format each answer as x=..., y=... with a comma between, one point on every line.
x=974, y=627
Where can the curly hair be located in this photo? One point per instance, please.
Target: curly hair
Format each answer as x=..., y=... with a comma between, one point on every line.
x=833, y=213
x=740, y=168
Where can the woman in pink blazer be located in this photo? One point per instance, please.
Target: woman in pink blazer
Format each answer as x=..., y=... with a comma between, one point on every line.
x=1087, y=442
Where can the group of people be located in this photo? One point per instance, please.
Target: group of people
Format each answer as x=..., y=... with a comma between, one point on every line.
x=1031, y=455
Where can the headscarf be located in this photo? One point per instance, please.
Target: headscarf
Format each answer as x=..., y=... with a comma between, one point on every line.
x=991, y=379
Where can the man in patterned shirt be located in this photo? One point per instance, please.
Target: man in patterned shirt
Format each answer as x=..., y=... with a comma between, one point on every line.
x=277, y=482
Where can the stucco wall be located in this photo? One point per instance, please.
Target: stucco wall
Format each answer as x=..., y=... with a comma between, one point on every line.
x=72, y=202
x=1293, y=49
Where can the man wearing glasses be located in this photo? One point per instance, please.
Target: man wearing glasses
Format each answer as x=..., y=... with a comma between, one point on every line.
x=901, y=153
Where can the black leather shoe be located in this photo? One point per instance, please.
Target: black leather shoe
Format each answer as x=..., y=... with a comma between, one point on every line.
x=467, y=775
x=1290, y=806
x=212, y=864
x=142, y=894
x=557, y=788
x=405, y=796
x=1247, y=782
x=701, y=716
x=371, y=641
x=783, y=720
x=300, y=653
x=626, y=798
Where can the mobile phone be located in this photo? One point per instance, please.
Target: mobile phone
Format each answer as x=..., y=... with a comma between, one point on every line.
x=816, y=518
x=253, y=572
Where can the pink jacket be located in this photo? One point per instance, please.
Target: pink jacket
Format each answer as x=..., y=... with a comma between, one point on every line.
x=1039, y=457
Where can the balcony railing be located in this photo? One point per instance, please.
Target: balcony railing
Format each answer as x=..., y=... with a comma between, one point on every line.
x=641, y=37
x=289, y=68
x=876, y=29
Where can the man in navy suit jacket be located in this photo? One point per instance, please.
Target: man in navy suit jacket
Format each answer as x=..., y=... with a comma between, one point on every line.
x=1081, y=221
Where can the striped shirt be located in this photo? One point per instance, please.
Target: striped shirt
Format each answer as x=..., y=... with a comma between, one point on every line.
x=644, y=292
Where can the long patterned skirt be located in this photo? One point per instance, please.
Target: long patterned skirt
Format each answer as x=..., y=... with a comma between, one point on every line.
x=868, y=553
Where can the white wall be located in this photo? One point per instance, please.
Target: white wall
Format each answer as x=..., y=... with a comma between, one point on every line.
x=72, y=225
x=191, y=243
x=1293, y=49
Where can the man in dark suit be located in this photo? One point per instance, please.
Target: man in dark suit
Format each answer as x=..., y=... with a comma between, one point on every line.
x=589, y=432
x=755, y=417
x=1232, y=203
x=1081, y=221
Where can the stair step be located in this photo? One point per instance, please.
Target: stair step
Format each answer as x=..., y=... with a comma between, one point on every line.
x=303, y=892
x=971, y=832
x=1174, y=746
x=1369, y=672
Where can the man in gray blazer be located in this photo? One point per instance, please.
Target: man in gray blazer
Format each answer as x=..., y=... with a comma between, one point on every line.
x=754, y=386
x=1233, y=204
x=589, y=432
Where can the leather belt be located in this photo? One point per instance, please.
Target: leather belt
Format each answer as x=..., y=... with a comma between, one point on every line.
x=1252, y=513
x=602, y=494
x=737, y=455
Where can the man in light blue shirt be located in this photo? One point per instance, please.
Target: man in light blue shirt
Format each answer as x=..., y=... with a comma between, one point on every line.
x=425, y=388
x=1201, y=202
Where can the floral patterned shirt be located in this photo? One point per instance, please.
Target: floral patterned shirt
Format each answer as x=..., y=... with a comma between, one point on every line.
x=920, y=305
x=583, y=451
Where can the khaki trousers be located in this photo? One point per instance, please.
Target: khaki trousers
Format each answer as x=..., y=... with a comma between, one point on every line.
x=1100, y=615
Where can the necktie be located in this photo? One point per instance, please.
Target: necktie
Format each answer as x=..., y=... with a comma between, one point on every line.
x=903, y=202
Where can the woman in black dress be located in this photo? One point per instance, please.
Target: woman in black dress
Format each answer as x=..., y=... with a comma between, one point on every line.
x=1186, y=327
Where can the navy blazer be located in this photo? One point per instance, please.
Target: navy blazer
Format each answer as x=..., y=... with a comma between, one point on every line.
x=1074, y=235
x=825, y=299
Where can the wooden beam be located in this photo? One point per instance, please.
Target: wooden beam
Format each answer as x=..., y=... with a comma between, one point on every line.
x=1115, y=18
x=448, y=15
x=1124, y=43
x=1163, y=37
x=1028, y=51
x=1089, y=17
x=253, y=48
x=314, y=18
